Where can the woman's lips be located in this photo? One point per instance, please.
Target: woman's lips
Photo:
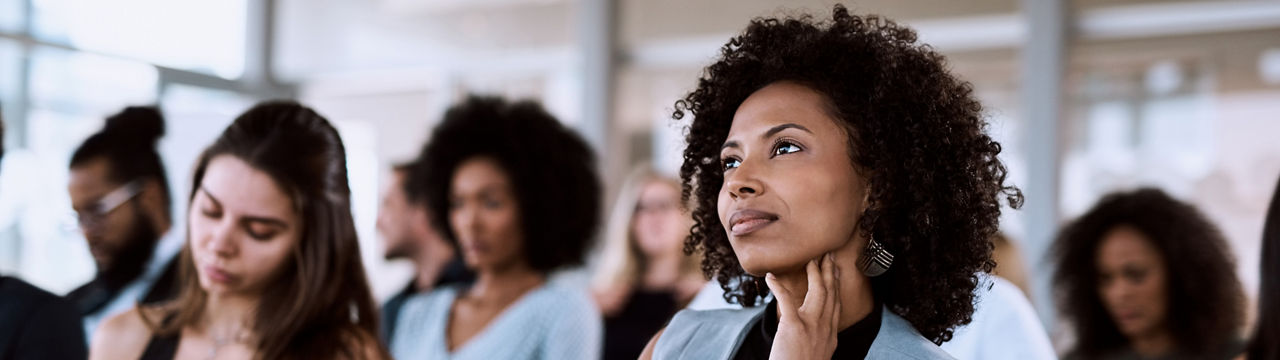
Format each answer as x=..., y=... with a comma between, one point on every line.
x=218, y=275
x=477, y=247
x=746, y=221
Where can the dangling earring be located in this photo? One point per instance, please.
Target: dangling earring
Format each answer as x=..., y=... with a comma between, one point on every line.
x=875, y=260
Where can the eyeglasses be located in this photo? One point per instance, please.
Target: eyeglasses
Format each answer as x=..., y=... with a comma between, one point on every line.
x=93, y=216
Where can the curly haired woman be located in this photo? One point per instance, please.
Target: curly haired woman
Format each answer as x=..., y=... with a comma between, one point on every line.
x=1145, y=276
x=838, y=165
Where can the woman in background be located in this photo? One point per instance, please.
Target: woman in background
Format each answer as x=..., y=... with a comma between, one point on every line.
x=271, y=269
x=1142, y=275
x=518, y=193
x=644, y=277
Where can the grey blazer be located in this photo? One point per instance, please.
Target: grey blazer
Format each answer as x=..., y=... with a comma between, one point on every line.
x=717, y=334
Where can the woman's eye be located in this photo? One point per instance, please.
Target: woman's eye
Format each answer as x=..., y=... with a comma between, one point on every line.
x=260, y=233
x=260, y=236
x=785, y=148
x=212, y=214
x=730, y=163
x=1136, y=275
x=492, y=204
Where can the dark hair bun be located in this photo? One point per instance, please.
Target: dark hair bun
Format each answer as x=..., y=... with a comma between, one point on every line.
x=143, y=125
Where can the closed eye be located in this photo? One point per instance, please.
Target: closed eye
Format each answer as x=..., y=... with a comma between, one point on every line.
x=260, y=235
x=211, y=213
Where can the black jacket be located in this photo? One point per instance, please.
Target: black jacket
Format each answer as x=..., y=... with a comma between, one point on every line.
x=37, y=324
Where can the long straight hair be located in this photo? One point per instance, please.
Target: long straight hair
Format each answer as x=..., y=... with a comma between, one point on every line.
x=320, y=305
x=621, y=262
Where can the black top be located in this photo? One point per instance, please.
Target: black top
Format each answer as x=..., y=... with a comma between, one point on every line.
x=37, y=324
x=454, y=272
x=853, y=342
x=162, y=347
x=646, y=312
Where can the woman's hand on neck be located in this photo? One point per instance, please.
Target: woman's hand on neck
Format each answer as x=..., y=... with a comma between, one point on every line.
x=856, y=298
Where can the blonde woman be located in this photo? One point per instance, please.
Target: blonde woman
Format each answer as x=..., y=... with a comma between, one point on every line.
x=644, y=277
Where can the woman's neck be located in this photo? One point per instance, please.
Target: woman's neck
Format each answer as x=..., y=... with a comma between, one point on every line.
x=1156, y=343
x=228, y=315
x=504, y=284
x=856, y=299
x=661, y=272
x=430, y=269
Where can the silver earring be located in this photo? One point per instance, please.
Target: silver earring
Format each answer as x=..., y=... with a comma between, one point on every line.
x=875, y=260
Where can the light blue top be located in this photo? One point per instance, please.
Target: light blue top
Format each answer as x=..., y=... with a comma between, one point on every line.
x=550, y=322
x=717, y=334
x=1004, y=327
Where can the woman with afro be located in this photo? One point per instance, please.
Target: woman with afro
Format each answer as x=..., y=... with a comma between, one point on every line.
x=1142, y=275
x=837, y=165
x=517, y=193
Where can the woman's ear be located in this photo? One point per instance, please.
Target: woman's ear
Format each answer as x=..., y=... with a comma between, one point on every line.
x=866, y=195
x=866, y=199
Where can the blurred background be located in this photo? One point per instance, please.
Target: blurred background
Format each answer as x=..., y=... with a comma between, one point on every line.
x=1087, y=96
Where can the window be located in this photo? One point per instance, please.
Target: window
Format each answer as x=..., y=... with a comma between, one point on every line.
x=203, y=36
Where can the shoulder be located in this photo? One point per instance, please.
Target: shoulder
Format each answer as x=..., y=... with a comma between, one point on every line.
x=743, y=316
x=419, y=313
x=647, y=353
x=719, y=322
x=80, y=292
x=366, y=346
x=560, y=300
x=27, y=299
x=416, y=306
x=898, y=339
x=1000, y=304
x=567, y=295
x=564, y=305
x=397, y=299
x=14, y=288
x=704, y=333
x=1003, y=292
x=38, y=324
x=123, y=336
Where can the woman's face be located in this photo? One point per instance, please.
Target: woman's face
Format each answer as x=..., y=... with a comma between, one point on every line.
x=1131, y=281
x=659, y=225
x=243, y=228
x=790, y=190
x=484, y=215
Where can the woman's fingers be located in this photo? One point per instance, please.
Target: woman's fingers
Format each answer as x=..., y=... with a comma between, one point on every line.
x=816, y=296
x=786, y=309
x=821, y=299
x=829, y=284
x=835, y=296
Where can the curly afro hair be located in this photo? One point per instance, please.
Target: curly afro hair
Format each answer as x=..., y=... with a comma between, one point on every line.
x=1205, y=298
x=1263, y=345
x=552, y=171
x=916, y=134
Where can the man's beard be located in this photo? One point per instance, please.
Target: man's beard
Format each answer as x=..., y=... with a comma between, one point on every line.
x=131, y=260
x=404, y=249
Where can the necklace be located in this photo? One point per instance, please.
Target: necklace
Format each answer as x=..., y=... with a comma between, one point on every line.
x=220, y=341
